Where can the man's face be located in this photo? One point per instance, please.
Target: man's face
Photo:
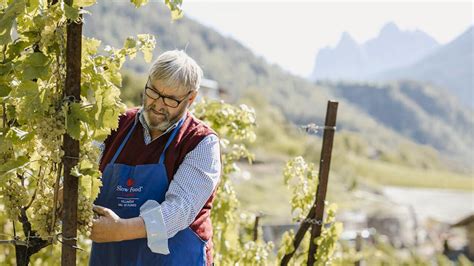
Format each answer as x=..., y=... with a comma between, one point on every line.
x=160, y=116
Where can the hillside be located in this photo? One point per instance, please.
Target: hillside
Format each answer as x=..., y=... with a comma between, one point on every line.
x=238, y=70
x=450, y=66
x=419, y=111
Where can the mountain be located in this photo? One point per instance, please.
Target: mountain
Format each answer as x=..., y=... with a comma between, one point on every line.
x=419, y=111
x=450, y=66
x=242, y=73
x=390, y=49
x=347, y=57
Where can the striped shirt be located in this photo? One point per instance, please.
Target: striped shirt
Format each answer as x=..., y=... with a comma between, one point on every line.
x=190, y=188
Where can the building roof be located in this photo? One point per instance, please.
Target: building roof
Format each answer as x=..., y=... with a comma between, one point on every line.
x=466, y=221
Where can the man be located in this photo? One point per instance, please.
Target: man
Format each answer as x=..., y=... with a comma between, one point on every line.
x=160, y=171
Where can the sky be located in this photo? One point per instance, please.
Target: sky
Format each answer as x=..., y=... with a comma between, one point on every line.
x=290, y=33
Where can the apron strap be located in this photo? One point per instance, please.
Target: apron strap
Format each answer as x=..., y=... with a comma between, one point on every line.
x=173, y=134
x=124, y=142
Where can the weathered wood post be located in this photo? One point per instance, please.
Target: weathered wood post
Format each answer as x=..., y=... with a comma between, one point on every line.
x=255, y=226
x=358, y=248
x=72, y=92
x=324, y=164
x=316, y=212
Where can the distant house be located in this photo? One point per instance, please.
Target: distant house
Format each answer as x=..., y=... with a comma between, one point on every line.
x=468, y=224
x=210, y=89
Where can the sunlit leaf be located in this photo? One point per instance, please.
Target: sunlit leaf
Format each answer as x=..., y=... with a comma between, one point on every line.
x=13, y=164
x=71, y=12
x=83, y=3
x=139, y=3
x=7, y=19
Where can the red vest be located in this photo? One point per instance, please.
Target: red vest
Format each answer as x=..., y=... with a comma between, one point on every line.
x=136, y=152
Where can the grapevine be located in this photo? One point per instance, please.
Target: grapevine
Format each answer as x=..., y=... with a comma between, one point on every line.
x=35, y=114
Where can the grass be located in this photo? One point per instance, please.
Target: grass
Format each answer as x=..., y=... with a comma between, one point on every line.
x=265, y=191
x=383, y=173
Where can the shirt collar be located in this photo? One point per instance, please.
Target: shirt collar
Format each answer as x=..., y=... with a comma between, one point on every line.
x=146, y=129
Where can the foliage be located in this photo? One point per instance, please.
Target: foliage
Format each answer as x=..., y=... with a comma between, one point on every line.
x=36, y=113
x=234, y=125
x=327, y=242
x=302, y=180
x=382, y=253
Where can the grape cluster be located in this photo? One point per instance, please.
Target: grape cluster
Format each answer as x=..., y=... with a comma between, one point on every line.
x=42, y=217
x=14, y=196
x=90, y=151
x=49, y=132
x=84, y=214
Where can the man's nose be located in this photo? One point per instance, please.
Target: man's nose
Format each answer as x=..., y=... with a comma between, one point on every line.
x=158, y=104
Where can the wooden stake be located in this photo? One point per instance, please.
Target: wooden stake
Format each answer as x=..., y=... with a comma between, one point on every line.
x=312, y=213
x=72, y=91
x=325, y=163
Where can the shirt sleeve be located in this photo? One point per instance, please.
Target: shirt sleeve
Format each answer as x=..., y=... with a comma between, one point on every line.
x=191, y=187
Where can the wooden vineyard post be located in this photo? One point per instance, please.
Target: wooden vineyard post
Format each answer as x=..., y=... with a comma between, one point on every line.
x=255, y=226
x=358, y=247
x=72, y=92
x=324, y=164
x=315, y=215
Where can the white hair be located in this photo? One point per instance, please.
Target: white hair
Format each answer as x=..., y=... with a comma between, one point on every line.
x=176, y=70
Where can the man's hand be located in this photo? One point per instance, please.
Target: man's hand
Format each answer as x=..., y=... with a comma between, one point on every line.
x=108, y=227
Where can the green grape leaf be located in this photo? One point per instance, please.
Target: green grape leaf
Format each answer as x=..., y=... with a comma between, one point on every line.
x=72, y=13
x=105, y=116
x=7, y=19
x=5, y=144
x=139, y=3
x=176, y=14
x=30, y=72
x=16, y=48
x=13, y=164
x=4, y=90
x=130, y=43
x=85, y=165
x=73, y=120
x=83, y=3
x=90, y=45
x=147, y=44
x=113, y=73
x=175, y=8
x=148, y=54
x=17, y=135
x=36, y=59
x=33, y=4
x=35, y=66
x=96, y=183
x=91, y=185
x=27, y=88
x=75, y=172
x=5, y=68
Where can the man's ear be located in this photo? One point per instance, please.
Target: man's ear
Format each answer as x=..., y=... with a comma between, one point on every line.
x=192, y=97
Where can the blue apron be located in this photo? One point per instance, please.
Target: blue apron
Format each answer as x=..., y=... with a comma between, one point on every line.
x=125, y=188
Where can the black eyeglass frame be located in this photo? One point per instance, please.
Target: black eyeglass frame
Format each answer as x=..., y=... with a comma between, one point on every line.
x=175, y=102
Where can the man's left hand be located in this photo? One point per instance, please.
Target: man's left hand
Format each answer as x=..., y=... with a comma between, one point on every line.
x=108, y=227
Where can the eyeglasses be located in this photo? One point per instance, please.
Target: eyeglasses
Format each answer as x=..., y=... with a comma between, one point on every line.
x=168, y=101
